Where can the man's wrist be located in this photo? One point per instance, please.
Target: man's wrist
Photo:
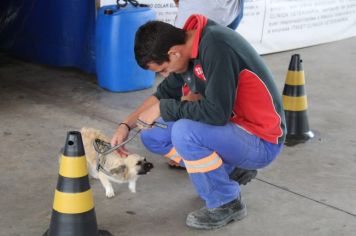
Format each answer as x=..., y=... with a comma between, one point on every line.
x=126, y=125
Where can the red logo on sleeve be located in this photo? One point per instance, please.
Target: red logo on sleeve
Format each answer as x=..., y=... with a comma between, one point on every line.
x=198, y=71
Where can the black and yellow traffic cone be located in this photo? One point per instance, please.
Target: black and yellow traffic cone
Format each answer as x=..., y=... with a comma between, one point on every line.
x=73, y=211
x=295, y=104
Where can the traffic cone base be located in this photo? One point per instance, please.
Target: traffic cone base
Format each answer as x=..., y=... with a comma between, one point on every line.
x=101, y=233
x=73, y=224
x=292, y=140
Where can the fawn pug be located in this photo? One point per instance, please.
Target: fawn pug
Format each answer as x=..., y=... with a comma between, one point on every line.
x=117, y=169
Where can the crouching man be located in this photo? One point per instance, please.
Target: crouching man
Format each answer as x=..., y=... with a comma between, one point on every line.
x=222, y=108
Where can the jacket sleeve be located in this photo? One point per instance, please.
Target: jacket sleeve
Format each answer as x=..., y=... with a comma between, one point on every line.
x=170, y=88
x=220, y=66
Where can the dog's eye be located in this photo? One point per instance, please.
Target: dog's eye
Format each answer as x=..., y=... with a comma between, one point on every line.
x=139, y=163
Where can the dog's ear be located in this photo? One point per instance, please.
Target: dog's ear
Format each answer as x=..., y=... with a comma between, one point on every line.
x=119, y=170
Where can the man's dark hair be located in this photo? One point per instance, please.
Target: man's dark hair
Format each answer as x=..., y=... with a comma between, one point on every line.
x=153, y=41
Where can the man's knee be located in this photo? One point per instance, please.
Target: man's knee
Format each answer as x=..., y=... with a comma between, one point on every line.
x=153, y=142
x=181, y=131
x=185, y=135
x=146, y=139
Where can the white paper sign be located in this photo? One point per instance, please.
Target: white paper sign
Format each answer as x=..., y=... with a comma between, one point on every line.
x=279, y=25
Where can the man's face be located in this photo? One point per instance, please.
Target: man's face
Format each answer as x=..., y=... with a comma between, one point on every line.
x=176, y=64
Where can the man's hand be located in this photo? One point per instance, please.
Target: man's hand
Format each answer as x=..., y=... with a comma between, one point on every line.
x=120, y=136
x=191, y=97
x=149, y=115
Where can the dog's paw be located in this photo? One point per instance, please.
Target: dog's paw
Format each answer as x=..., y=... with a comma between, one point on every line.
x=109, y=192
x=132, y=186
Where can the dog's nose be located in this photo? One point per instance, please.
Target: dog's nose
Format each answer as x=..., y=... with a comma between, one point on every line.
x=147, y=166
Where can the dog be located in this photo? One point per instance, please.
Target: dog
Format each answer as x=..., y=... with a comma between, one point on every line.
x=117, y=169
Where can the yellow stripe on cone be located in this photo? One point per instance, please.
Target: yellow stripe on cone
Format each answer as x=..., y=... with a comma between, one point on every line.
x=295, y=103
x=73, y=167
x=295, y=78
x=73, y=203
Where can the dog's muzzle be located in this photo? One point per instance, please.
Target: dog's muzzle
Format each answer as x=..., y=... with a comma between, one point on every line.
x=145, y=167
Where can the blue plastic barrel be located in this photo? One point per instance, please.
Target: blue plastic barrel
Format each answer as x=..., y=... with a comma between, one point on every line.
x=116, y=67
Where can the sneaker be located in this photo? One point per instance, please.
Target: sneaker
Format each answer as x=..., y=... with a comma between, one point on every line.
x=175, y=165
x=213, y=218
x=243, y=176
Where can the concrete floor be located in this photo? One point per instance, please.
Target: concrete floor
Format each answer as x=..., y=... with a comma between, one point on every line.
x=309, y=190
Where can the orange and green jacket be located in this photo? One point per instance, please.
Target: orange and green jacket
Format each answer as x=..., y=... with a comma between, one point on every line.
x=235, y=84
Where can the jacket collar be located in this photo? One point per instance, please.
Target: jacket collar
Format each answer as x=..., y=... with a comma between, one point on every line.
x=196, y=22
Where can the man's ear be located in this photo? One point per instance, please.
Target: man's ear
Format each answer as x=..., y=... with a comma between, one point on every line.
x=174, y=52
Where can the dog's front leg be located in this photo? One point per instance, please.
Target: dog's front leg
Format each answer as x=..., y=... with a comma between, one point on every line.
x=109, y=191
x=132, y=186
